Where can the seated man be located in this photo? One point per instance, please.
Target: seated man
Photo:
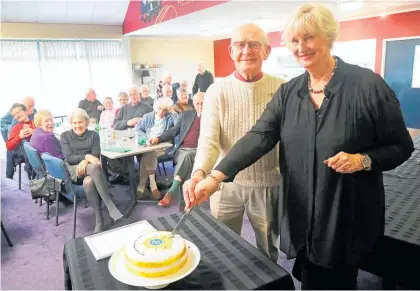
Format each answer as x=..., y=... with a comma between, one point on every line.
x=188, y=129
x=92, y=106
x=153, y=124
x=128, y=116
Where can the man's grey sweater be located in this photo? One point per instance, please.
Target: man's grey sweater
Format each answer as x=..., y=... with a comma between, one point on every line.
x=130, y=111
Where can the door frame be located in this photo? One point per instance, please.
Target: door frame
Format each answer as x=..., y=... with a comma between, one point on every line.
x=384, y=45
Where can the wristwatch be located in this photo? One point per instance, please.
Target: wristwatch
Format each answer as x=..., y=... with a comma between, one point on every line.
x=366, y=162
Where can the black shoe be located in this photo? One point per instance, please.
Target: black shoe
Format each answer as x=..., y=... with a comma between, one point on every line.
x=116, y=179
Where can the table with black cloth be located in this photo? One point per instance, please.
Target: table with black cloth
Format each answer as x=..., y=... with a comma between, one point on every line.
x=227, y=260
x=396, y=256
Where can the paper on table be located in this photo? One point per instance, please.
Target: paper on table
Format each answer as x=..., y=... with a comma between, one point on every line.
x=106, y=243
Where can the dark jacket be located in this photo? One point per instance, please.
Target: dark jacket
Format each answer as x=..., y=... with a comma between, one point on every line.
x=335, y=218
x=181, y=128
x=91, y=108
x=202, y=82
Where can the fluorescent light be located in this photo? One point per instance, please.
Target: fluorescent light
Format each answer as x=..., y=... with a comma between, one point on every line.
x=350, y=5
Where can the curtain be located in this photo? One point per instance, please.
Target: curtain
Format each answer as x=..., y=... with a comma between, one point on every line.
x=58, y=73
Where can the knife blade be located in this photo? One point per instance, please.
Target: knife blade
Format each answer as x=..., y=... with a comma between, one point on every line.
x=176, y=228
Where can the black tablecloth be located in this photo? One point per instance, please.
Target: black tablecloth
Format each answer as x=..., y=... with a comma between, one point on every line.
x=396, y=256
x=227, y=260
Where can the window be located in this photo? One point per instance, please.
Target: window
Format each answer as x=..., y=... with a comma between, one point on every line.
x=58, y=73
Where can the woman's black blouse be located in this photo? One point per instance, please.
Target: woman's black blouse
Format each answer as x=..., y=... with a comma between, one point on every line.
x=335, y=218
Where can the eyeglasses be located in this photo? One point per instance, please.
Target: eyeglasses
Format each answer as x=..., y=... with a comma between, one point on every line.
x=253, y=45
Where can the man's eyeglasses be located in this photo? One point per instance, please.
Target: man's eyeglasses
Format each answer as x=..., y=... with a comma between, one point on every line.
x=253, y=45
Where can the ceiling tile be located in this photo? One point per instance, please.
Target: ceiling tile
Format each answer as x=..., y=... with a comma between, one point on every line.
x=52, y=11
x=80, y=12
x=110, y=12
x=19, y=11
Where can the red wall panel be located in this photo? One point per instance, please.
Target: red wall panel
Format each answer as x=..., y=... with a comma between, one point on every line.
x=393, y=26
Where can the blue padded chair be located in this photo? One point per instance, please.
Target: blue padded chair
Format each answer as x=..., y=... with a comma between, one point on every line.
x=57, y=170
x=34, y=159
x=167, y=157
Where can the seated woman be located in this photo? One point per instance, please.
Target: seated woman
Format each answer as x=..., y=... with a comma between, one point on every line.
x=43, y=138
x=81, y=148
x=108, y=115
x=22, y=130
x=184, y=103
x=152, y=125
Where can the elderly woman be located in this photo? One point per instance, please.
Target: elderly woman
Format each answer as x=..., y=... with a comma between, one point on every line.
x=122, y=99
x=184, y=103
x=152, y=125
x=81, y=148
x=145, y=95
x=22, y=130
x=339, y=127
x=108, y=115
x=166, y=80
x=167, y=91
x=43, y=137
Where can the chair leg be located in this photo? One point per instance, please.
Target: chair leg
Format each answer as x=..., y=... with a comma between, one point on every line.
x=85, y=202
x=40, y=202
x=160, y=173
x=36, y=200
x=74, y=215
x=20, y=176
x=164, y=169
x=57, y=206
x=5, y=235
x=48, y=207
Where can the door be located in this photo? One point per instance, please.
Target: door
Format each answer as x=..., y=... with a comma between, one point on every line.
x=398, y=73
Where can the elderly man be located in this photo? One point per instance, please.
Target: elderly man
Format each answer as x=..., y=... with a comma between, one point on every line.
x=153, y=124
x=130, y=114
x=7, y=122
x=188, y=130
x=231, y=108
x=92, y=106
x=203, y=80
x=145, y=95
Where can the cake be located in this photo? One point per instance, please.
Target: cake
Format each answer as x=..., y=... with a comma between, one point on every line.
x=156, y=254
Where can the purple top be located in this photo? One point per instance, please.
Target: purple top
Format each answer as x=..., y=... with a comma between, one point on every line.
x=46, y=142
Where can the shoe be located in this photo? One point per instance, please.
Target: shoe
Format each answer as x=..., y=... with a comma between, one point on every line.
x=140, y=195
x=166, y=200
x=156, y=194
x=116, y=179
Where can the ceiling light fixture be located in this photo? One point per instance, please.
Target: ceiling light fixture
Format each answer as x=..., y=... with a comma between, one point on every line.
x=350, y=5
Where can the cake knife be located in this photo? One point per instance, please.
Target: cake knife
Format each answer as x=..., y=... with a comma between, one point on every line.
x=176, y=228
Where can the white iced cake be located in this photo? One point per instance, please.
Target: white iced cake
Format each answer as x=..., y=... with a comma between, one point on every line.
x=156, y=254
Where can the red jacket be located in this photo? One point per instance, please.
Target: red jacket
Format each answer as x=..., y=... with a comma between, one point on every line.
x=14, y=139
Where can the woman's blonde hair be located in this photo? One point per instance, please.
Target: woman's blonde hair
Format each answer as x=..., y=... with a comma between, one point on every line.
x=309, y=19
x=41, y=115
x=79, y=113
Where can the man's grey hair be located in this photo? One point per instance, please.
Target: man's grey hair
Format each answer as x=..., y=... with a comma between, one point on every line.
x=183, y=81
x=163, y=103
x=79, y=113
x=135, y=87
x=144, y=86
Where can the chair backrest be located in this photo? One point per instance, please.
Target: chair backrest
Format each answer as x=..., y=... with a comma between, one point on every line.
x=34, y=157
x=55, y=167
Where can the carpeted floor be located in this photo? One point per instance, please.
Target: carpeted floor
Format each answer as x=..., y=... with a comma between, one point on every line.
x=35, y=260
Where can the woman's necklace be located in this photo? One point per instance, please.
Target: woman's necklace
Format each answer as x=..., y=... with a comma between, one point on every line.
x=312, y=90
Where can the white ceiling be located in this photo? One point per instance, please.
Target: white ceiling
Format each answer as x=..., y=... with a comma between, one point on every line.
x=105, y=12
x=218, y=21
